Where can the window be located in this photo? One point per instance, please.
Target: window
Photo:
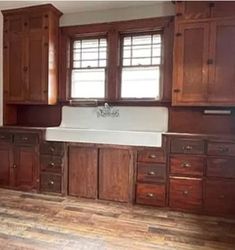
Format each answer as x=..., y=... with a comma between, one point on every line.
x=88, y=75
x=141, y=63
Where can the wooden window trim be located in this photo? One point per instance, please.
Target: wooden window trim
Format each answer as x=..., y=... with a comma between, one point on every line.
x=113, y=31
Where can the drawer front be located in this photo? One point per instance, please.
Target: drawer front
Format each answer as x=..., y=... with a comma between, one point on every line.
x=150, y=194
x=151, y=156
x=215, y=148
x=6, y=137
x=187, y=165
x=52, y=148
x=221, y=167
x=26, y=138
x=51, y=163
x=151, y=172
x=220, y=197
x=186, y=194
x=187, y=146
x=50, y=183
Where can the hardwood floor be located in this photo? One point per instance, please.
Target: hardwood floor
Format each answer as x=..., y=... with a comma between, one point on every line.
x=30, y=221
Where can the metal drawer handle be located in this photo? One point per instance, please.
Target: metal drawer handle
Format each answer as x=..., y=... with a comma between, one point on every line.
x=185, y=192
x=186, y=165
x=51, y=182
x=150, y=195
x=152, y=156
x=52, y=164
x=223, y=149
x=151, y=173
x=188, y=147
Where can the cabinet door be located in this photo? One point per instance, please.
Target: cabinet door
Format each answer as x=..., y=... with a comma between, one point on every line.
x=37, y=59
x=26, y=168
x=115, y=174
x=190, y=64
x=83, y=165
x=221, y=89
x=14, y=59
x=223, y=9
x=5, y=164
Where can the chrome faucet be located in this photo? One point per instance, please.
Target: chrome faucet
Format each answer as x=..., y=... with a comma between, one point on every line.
x=107, y=111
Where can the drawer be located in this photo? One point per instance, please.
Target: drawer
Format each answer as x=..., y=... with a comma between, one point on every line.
x=187, y=146
x=51, y=163
x=151, y=194
x=50, y=183
x=186, y=194
x=187, y=165
x=220, y=197
x=220, y=167
x=151, y=172
x=151, y=155
x=217, y=148
x=26, y=138
x=6, y=137
x=52, y=148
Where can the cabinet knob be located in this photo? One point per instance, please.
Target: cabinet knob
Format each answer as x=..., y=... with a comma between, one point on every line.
x=221, y=196
x=51, y=182
x=223, y=149
x=151, y=173
x=52, y=149
x=185, y=192
x=186, y=165
x=52, y=164
x=150, y=195
x=187, y=147
x=25, y=138
x=14, y=166
x=152, y=156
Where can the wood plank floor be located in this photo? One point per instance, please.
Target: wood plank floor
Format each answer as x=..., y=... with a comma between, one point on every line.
x=30, y=221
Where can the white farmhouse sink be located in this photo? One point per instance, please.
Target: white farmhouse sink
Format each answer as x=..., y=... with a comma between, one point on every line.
x=118, y=137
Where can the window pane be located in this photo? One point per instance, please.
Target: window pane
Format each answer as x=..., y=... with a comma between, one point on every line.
x=88, y=83
x=140, y=82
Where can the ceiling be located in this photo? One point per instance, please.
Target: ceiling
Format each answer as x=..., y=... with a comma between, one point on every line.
x=77, y=6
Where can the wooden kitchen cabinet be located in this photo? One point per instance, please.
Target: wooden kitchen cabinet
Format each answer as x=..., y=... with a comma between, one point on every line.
x=83, y=171
x=31, y=55
x=6, y=156
x=116, y=174
x=204, y=72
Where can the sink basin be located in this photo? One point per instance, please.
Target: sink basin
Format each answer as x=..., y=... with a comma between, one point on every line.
x=118, y=137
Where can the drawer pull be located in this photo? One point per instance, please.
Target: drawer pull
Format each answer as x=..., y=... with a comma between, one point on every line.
x=187, y=148
x=52, y=149
x=223, y=149
x=151, y=173
x=25, y=138
x=51, y=182
x=186, y=165
x=14, y=166
x=185, y=192
x=52, y=164
x=152, y=156
x=150, y=195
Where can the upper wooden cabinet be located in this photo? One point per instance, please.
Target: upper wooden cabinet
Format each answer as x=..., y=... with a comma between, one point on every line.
x=204, y=72
x=31, y=55
x=191, y=10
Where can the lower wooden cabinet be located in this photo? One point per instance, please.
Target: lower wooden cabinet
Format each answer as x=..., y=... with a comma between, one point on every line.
x=6, y=163
x=186, y=194
x=26, y=167
x=83, y=168
x=220, y=197
x=151, y=194
x=115, y=174
x=50, y=183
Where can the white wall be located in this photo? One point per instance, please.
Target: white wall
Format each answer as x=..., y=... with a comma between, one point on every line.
x=153, y=10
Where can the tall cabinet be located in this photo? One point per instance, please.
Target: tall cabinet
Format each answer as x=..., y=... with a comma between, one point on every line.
x=31, y=55
x=204, y=54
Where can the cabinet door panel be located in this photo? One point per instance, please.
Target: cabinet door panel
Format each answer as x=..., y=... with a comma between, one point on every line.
x=5, y=164
x=190, y=64
x=26, y=171
x=115, y=174
x=14, y=59
x=222, y=71
x=37, y=60
x=83, y=164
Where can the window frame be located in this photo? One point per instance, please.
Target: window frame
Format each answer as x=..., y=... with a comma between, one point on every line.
x=113, y=32
x=160, y=32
